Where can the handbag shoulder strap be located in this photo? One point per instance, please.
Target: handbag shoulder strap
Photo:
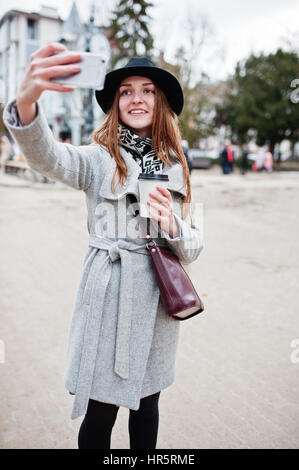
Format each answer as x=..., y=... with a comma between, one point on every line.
x=148, y=222
x=150, y=243
x=148, y=237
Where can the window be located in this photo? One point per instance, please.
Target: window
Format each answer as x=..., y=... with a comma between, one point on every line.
x=31, y=28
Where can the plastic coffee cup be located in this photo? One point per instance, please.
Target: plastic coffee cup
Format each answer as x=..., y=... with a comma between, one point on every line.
x=147, y=184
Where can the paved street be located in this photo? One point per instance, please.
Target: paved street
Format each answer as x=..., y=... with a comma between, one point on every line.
x=237, y=381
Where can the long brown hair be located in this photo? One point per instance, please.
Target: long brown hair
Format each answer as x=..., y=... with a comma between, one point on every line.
x=166, y=140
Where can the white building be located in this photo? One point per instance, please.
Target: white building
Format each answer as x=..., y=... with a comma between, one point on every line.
x=22, y=33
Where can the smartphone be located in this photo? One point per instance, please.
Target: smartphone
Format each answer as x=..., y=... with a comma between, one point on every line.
x=92, y=74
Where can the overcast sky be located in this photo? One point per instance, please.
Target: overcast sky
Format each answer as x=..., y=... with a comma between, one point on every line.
x=235, y=28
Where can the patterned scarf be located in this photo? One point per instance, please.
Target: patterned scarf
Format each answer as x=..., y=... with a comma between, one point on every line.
x=141, y=149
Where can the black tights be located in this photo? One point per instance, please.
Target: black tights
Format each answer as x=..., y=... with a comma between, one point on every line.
x=96, y=428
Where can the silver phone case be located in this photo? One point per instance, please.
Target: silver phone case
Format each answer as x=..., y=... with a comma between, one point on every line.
x=92, y=74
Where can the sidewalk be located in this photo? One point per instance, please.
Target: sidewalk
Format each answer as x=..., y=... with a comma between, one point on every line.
x=236, y=380
x=10, y=180
x=13, y=181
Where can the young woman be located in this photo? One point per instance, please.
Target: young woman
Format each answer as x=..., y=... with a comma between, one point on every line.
x=122, y=344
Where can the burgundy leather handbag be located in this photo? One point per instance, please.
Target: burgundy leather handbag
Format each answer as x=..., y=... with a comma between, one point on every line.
x=178, y=294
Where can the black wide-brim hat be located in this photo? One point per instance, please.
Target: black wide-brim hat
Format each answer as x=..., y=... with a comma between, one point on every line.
x=144, y=67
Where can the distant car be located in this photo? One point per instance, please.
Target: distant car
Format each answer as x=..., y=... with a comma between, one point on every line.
x=188, y=159
x=202, y=158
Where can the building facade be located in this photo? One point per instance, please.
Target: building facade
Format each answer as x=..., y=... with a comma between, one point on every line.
x=21, y=34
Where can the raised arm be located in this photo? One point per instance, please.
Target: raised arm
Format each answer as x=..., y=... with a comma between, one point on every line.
x=42, y=67
x=26, y=121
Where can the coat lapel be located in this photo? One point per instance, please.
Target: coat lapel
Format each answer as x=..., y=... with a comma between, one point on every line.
x=174, y=172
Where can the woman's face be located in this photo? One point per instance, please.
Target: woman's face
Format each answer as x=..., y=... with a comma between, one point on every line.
x=136, y=104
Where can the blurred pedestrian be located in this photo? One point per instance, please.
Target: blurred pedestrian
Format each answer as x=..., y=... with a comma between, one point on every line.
x=230, y=157
x=227, y=159
x=268, y=161
x=224, y=162
x=122, y=344
x=259, y=160
x=244, y=159
x=5, y=152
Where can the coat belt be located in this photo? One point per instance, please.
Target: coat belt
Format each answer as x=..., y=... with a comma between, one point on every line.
x=117, y=249
x=120, y=249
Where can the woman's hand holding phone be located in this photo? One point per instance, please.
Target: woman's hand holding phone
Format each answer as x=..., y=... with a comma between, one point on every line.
x=44, y=66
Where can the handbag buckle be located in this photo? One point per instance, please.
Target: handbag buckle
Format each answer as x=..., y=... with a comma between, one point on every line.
x=151, y=243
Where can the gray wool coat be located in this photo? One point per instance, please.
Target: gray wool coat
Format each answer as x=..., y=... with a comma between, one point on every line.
x=122, y=345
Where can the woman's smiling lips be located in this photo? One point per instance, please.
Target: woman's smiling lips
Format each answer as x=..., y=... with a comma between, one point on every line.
x=137, y=111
